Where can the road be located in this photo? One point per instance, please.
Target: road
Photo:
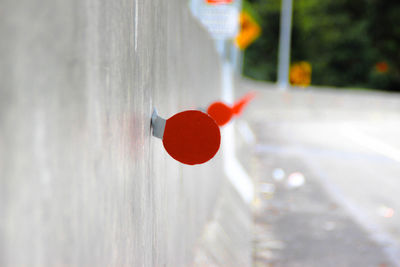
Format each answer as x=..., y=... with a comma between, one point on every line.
x=346, y=212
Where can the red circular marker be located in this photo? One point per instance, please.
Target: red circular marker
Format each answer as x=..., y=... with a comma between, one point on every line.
x=191, y=137
x=242, y=103
x=220, y=112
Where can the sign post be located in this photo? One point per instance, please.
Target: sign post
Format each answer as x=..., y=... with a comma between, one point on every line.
x=284, y=44
x=221, y=19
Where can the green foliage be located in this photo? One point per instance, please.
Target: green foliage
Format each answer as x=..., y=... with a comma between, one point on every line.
x=261, y=57
x=384, y=32
x=342, y=40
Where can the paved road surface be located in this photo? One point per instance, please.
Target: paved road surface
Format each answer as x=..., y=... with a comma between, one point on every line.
x=347, y=211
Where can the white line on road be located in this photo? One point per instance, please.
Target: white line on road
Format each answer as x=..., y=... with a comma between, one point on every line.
x=371, y=143
x=378, y=234
x=389, y=245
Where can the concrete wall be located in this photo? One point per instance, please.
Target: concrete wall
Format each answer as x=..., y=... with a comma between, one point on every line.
x=82, y=181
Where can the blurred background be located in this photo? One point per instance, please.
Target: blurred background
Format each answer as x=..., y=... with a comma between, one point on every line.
x=351, y=44
x=325, y=129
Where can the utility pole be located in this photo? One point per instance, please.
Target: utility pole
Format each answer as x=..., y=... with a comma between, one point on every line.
x=284, y=44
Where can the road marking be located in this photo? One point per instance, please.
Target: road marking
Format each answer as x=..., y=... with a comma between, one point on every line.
x=389, y=245
x=371, y=143
x=377, y=233
x=299, y=150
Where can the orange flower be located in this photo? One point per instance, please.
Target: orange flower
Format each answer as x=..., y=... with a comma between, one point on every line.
x=300, y=73
x=382, y=67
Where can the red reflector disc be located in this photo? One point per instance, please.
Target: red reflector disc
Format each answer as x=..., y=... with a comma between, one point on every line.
x=219, y=1
x=220, y=112
x=242, y=103
x=191, y=137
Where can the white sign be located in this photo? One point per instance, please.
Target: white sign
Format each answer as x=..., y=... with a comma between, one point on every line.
x=221, y=20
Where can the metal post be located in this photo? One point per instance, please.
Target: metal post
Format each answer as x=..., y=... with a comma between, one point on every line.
x=284, y=44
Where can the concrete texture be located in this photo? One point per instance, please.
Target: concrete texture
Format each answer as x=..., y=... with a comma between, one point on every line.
x=83, y=182
x=226, y=240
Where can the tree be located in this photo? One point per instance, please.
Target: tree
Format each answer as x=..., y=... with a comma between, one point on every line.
x=342, y=40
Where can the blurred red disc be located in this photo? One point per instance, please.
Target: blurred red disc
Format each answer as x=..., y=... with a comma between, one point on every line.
x=191, y=137
x=242, y=103
x=220, y=112
x=219, y=1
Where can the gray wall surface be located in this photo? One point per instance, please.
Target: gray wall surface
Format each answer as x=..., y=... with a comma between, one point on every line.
x=82, y=181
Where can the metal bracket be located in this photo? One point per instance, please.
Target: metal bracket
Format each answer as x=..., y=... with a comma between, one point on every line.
x=204, y=110
x=157, y=125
